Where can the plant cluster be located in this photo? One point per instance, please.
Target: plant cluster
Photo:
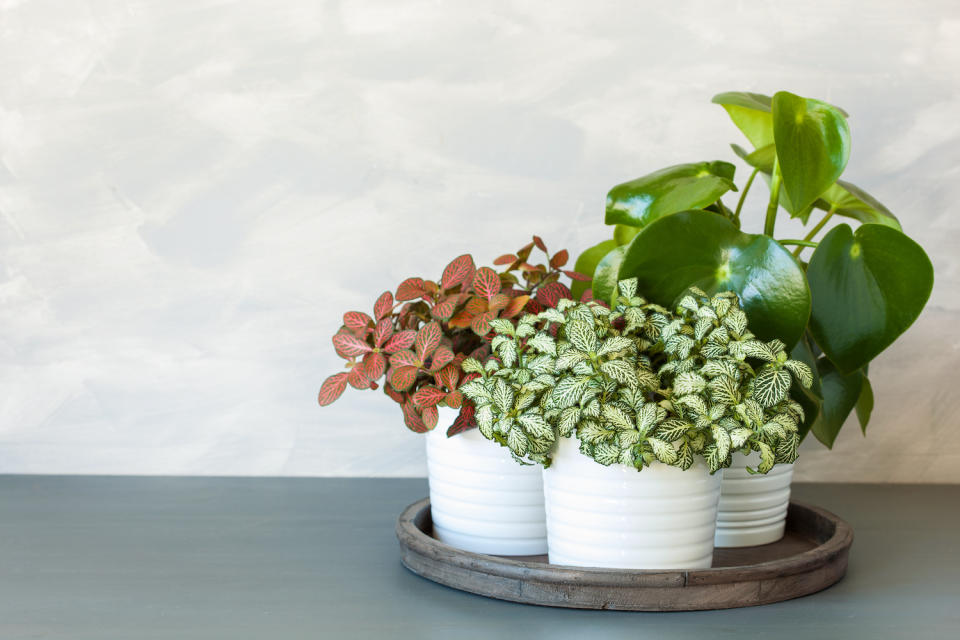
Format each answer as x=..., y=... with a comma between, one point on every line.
x=639, y=383
x=418, y=337
x=858, y=291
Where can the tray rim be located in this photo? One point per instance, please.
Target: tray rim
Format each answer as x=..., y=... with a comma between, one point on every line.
x=830, y=553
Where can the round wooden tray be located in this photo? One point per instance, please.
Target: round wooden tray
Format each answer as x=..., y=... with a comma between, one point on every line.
x=811, y=556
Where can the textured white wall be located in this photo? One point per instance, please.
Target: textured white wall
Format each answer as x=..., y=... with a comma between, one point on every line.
x=193, y=191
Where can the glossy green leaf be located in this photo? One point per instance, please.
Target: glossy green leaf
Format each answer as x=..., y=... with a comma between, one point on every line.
x=605, y=276
x=865, y=404
x=853, y=202
x=587, y=264
x=751, y=113
x=678, y=188
x=623, y=234
x=868, y=287
x=810, y=399
x=703, y=249
x=761, y=158
x=840, y=394
x=813, y=145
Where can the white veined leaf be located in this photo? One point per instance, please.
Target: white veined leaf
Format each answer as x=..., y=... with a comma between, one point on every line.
x=693, y=402
x=502, y=395
x=673, y=429
x=702, y=326
x=679, y=345
x=552, y=315
x=689, y=303
x=740, y=436
x=525, y=330
x=484, y=419
x=795, y=409
x=713, y=350
x=621, y=371
x=707, y=312
x=590, y=408
x=774, y=428
x=628, y=287
x=616, y=344
x=535, y=425
x=628, y=438
x=524, y=400
x=606, y=454
x=626, y=457
x=721, y=305
x=540, y=383
x=787, y=449
x=616, y=417
x=520, y=376
x=582, y=336
x=649, y=416
x=580, y=313
x=714, y=368
x=684, y=456
x=714, y=460
x=720, y=335
x=771, y=386
x=502, y=326
x=671, y=328
x=735, y=349
x=697, y=442
x=508, y=353
x=776, y=346
x=569, y=390
x=542, y=364
x=663, y=450
x=499, y=340
x=565, y=303
x=787, y=421
x=635, y=317
x=736, y=321
x=540, y=445
x=476, y=391
x=750, y=412
x=599, y=310
x=721, y=439
x=689, y=382
x=767, y=458
x=472, y=365
x=716, y=411
x=758, y=350
x=491, y=365
x=800, y=371
x=569, y=418
x=592, y=432
x=647, y=379
x=544, y=343
x=504, y=424
x=723, y=390
x=570, y=358
x=517, y=441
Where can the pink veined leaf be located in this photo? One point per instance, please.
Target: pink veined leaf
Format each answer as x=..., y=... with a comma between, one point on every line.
x=454, y=399
x=498, y=302
x=412, y=419
x=383, y=305
x=481, y=323
x=450, y=375
x=430, y=417
x=586, y=296
x=573, y=275
x=486, y=282
x=357, y=320
x=410, y=289
x=404, y=358
x=401, y=340
x=461, y=320
x=464, y=421
x=374, y=364
x=475, y=305
x=550, y=294
x=349, y=346
x=559, y=258
x=357, y=378
x=537, y=241
x=480, y=353
x=428, y=339
x=444, y=310
x=441, y=358
x=382, y=332
x=507, y=258
x=402, y=378
x=395, y=395
x=533, y=307
x=428, y=397
x=332, y=388
x=459, y=271
x=515, y=306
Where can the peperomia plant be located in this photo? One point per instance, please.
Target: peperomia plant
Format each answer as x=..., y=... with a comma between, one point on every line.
x=418, y=337
x=836, y=311
x=638, y=383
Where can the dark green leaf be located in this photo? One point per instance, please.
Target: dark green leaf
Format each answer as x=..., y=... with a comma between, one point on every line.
x=853, y=202
x=840, y=394
x=810, y=399
x=702, y=249
x=587, y=264
x=751, y=113
x=813, y=144
x=678, y=188
x=606, y=274
x=865, y=404
x=867, y=287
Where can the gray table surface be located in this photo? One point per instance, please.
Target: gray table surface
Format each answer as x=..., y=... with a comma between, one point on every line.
x=136, y=557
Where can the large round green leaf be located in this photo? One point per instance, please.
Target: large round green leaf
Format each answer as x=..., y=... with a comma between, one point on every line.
x=812, y=143
x=703, y=249
x=606, y=274
x=867, y=287
x=684, y=186
x=851, y=201
x=587, y=264
x=751, y=113
x=840, y=395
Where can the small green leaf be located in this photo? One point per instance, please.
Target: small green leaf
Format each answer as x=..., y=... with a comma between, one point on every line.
x=840, y=395
x=751, y=112
x=678, y=188
x=851, y=201
x=865, y=404
x=587, y=264
x=606, y=275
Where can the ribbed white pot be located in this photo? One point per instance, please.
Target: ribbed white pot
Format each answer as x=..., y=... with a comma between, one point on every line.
x=753, y=508
x=481, y=500
x=658, y=518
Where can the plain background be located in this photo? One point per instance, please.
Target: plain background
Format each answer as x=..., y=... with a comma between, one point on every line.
x=192, y=192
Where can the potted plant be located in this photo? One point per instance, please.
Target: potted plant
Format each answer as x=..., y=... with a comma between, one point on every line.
x=416, y=342
x=674, y=395
x=835, y=309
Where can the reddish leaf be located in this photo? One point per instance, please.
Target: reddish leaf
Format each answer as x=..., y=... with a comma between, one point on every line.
x=533, y=307
x=587, y=296
x=480, y=353
x=550, y=294
x=402, y=378
x=537, y=241
x=382, y=332
x=430, y=417
x=383, y=305
x=486, y=282
x=374, y=364
x=349, y=346
x=396, y=396
x=481, y=323
x=412, y=419
x=404, y=359
x=449, y=376
x=332, y=387
x=428, y=397
x=428, y=339
x=461, y=320
x=464, y=421
x=431, y=288
x=515, y=306
x=506, y=258
x=357, y=378
x=528, y=268
x=507, y=278
x=357, y=320
x=454, y=399
x=524, y=252
x=573, y=275
x=441, y=358
x=498, y=302
x=444, y=310
x=559, y=258
x=410, y=289
x=402, y=340
x=475, y=305
x=459, y=271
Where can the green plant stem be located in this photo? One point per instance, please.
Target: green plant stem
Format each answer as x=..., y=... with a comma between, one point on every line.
x=815, y=231
x=775, y=181
x=743, y=194
x=801, y=243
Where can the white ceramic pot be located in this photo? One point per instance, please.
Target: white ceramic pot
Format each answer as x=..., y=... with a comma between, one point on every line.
x=658, y=518
x=753, y=508
x=481, y=500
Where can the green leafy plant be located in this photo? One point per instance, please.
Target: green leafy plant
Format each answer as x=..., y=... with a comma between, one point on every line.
x=836, y=310
x=418, y=337
x=638, y=383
